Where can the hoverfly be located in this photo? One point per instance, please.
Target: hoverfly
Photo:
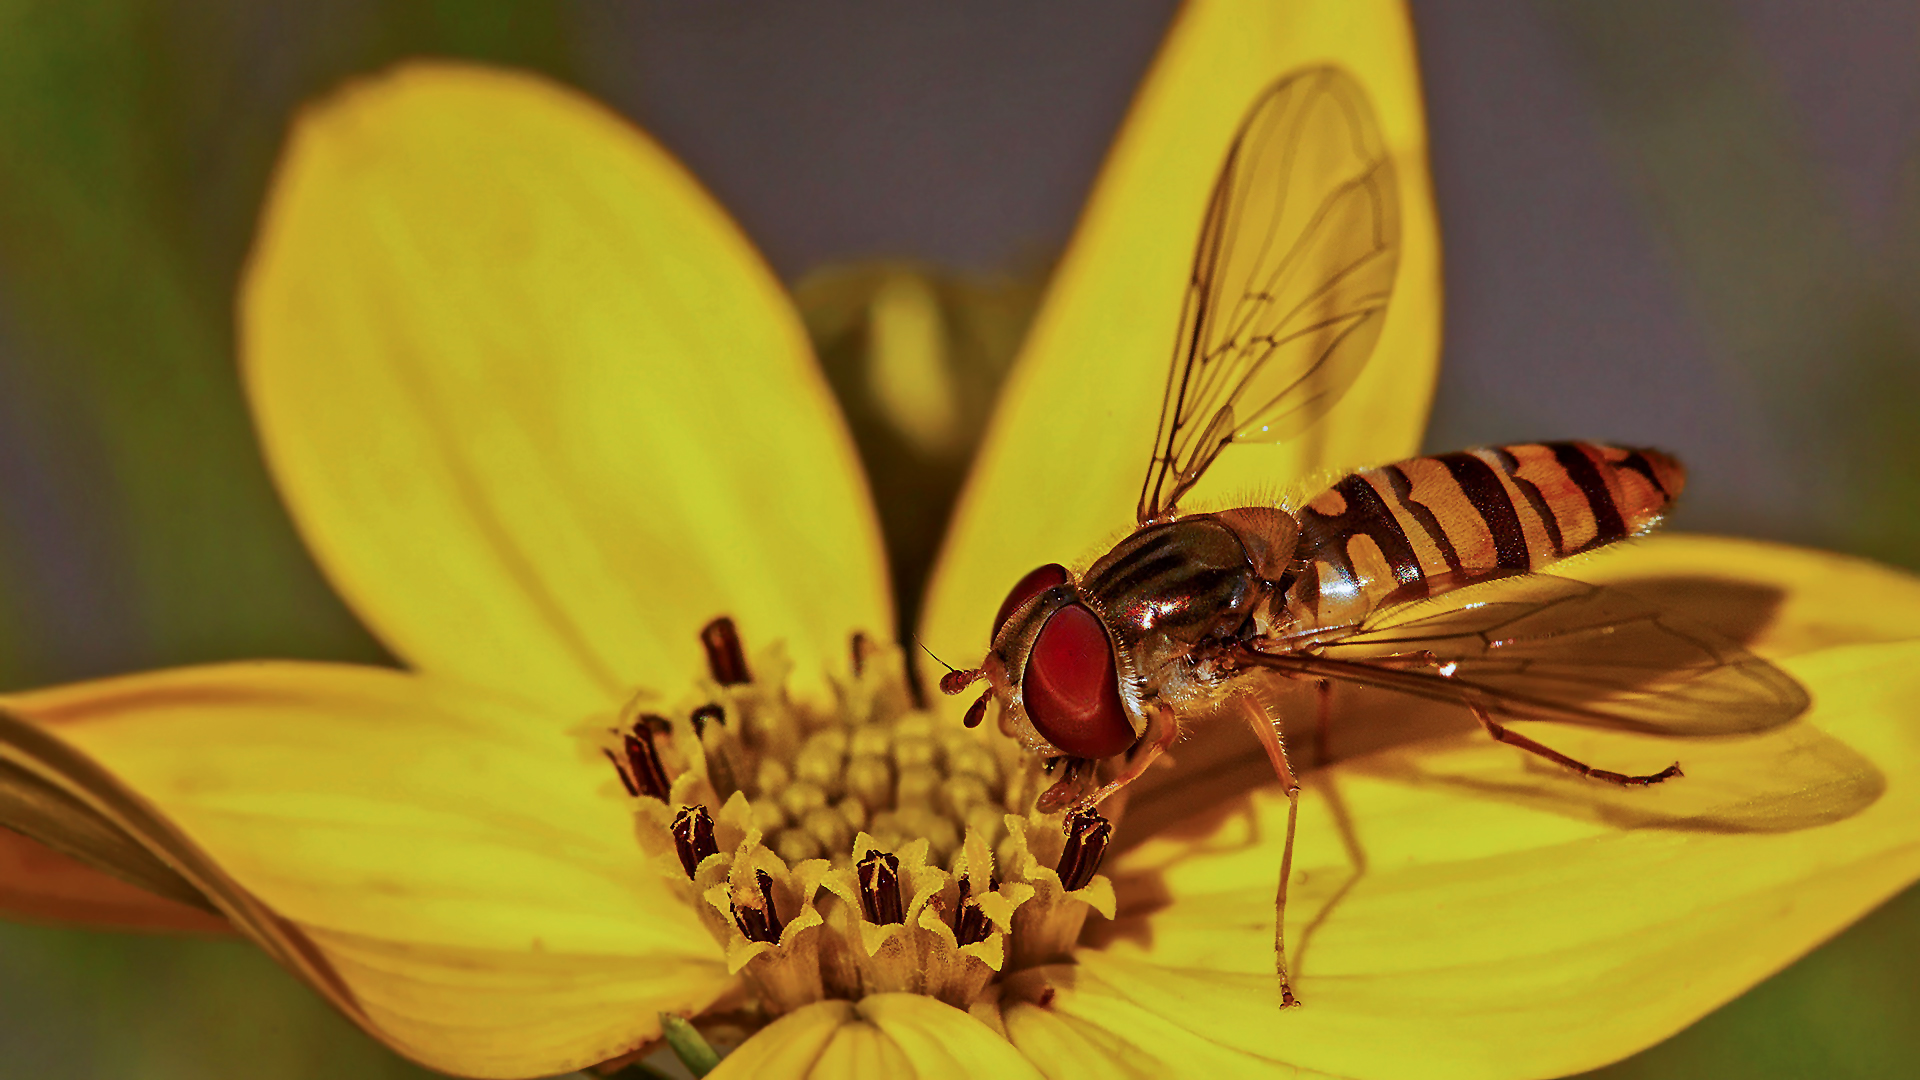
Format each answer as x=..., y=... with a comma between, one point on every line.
x=1421, y=577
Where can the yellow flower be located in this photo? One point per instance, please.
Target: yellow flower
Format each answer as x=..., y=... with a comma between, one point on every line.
x=542, y=415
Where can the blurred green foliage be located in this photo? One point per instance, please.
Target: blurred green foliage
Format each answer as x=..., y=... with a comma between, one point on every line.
x=139, y=528
x=82, y=1004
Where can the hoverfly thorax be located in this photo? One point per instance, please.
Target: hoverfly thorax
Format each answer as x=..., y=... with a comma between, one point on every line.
x=1079, y=665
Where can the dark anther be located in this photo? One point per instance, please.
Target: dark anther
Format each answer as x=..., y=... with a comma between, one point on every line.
x=724, y=658
x=879, y=875
x=708, y=714
x=970, y=925
x=693, y=837
x=625, y=780
x=977, y=711
x=761, y=922
x=1087, y=836
x=719, y=764
x=860, y=647
x=649, y=776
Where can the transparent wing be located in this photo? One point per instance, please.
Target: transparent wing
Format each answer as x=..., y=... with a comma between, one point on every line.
x=1538, y=647
x=1290, y=281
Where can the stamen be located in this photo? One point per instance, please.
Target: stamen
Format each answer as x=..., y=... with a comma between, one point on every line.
x=707, y=714
x=725, y=659
x=842, y=815
x=759, y=922
x=1087, y=836
x=879, y=875
x=970, y=923
x=693, y=837
x=625, y=780
x=643, y=759
x=977, y=711
x=709, y=727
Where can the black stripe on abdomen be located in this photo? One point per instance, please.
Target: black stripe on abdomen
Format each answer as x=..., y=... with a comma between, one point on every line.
x=1638, y=462
x=1490, y=500
x=1402, y=486
x=1510, y=465
x=1607, y=523
x=1327, y=535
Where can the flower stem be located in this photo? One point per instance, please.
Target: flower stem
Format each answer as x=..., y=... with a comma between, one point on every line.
x=688, y=1044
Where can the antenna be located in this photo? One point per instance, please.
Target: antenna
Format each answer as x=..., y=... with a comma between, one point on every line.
x=929, y=652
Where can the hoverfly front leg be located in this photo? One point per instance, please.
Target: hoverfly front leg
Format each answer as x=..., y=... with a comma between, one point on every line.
x=1162, y=729
x=1065, y=792
x=1504, y=734
x=1268, y=732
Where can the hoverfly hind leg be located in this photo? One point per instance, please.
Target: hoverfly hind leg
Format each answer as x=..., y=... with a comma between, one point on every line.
x=1323, y=723
x=1501, y=733
x=1267, y=731
x=1287, y=1000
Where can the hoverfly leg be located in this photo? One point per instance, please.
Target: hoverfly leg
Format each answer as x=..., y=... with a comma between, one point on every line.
x=1323, y=723
x=1501, y=733
x=1073, y=773
x=1287, y=1000
x=1162, y=729
x=1267, y=731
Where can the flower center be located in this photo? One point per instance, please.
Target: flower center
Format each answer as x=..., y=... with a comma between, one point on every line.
x=860, y=848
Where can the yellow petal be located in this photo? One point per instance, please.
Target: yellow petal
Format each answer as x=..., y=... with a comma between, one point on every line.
x=1087, y=1029
x=880, y=1036
x=448, y=868
x=1060, y=471
x=1507, y=919
x=1779, y=600
x=537, y=406
x=787, y=1048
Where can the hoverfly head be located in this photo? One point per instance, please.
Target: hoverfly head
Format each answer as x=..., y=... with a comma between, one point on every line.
x=1055, y=667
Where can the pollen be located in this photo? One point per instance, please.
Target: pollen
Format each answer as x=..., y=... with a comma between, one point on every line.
x=858, y=846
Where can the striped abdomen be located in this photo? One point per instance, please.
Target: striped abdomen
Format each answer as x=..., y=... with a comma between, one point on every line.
x=1409, y=530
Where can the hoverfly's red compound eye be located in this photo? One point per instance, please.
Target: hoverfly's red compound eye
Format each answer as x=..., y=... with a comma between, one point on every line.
x=1036, y=582
x=1071, y=689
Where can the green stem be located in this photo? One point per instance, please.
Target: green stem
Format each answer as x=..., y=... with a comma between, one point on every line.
x=689, y=1045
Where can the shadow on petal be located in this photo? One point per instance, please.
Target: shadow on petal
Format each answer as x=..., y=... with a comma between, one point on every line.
x=1454, y=904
